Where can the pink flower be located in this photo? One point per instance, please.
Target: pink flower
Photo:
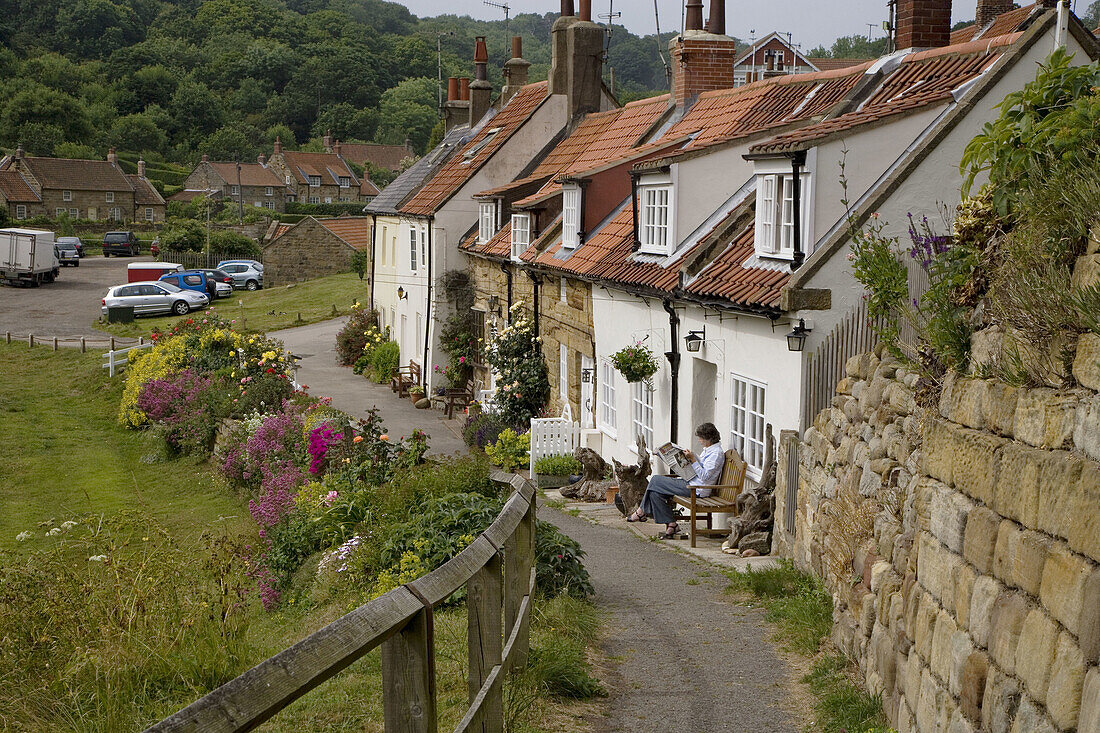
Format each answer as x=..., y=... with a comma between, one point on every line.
x=330, y=497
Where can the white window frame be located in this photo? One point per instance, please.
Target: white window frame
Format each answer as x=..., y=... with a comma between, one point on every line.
x=68, y=196
x=257, y=204
x=521, y=234
x=269, y=205
x=570, y=216
x=424, y=245
x=20, y=211
x=748, y=399
x=74, y=213
x=655, y=218
x=60, y=211
x=345, y=182
x=486, y=221
x=641, y=412
x=116, y=214
x=607, y=416
x=148, y=213
x=412, y=247
x=775, y=214
x=269, y=191
x=314, y=199
x=314, y=181
x=562, y=290
x=563, y=372
x=234, y=190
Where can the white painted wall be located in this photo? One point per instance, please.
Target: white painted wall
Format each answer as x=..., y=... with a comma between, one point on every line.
x=385, y=270
x=705, y=183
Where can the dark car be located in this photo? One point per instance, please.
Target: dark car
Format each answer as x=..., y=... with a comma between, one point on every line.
x=220, y=276
x=74, y=241
x=121, y=244
x=67, y=253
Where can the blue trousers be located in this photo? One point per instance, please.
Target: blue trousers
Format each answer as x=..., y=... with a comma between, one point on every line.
x=656, y=502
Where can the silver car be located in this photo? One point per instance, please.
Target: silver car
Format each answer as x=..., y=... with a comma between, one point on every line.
x=154, y=298
x=244, y=276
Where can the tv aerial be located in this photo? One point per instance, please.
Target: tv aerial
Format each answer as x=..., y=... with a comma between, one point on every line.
x=500, y=6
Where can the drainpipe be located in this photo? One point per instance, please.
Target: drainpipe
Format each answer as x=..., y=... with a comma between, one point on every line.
x=536, y=281
x=637, y=245
x=797, y=162
x=674, y=367
x=425, y=370
x=583, y=231
x=508, y=276
x=373, y=249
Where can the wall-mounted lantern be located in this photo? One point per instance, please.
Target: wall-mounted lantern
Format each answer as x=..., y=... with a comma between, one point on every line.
x=694, y=340
x=401, y=294
x=796, y=339
x=586, y=375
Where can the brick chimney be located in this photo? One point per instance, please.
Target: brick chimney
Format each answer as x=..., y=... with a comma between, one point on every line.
x=326, y=141
x=141, y=168
x=922, y=23
x=515, y=71
x=206, y=158
x=577, y=66
x=702, y=60
x=261, y=159
x=481, y=91
x=19, y=152
x=336, y=147
x=278, y=149
x=456, y=111
x=990, y=9
x=112, y=157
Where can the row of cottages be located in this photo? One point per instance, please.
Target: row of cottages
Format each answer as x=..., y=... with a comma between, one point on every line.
x=709, y=223
x=80, y=189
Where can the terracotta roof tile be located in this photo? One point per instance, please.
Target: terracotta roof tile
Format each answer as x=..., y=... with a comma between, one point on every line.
x=329, y=166
x=728, y=277
x=252, y=174
x=77, y=175
x=383, y=156
x=280, y=229
x=144, y=192
x=1003, y=24
x=828, y=64
x=14, y=188
x=356, y=231
x=459, y=168
x=499, y=246
x=367, y=188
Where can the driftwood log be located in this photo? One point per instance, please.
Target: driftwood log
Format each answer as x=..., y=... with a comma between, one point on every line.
x=633, y=479
x=752, y=528
x=593, y=485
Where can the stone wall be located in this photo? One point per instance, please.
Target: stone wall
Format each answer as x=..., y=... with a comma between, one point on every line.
x=960, y=543
x=304, y=252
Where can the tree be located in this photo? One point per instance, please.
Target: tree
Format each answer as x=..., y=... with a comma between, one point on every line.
x=195, y=110
x=96, y=28
x=139, y=132
x=345, y=122
x=75, y=150
x=149, y=85
x=857, y=47
x=1091, y=18
x=230, y=143
x=43, y=107
x=408, y=111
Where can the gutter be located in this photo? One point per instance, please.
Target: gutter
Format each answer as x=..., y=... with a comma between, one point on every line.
x=797, y=161
x=673, y=357
x=373, y=236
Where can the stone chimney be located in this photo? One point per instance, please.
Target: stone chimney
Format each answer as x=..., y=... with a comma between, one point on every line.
x=141, y=168
x=19, y=152
x=922, y=24
x=702, y=60
x=336, y=147
x=455, y=111
x=515, y=71
x=481, y=91
x=577, y=67
x=205, y=158
x=112, y=157
x=326, y=141
x=990, y=9
x=261, y=159
x=278, y=149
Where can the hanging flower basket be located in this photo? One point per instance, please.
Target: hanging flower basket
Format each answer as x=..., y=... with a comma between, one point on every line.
x=636, y=363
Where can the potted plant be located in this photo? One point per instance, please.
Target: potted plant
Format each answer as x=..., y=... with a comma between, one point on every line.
x=636, y=363
x=416, y=393
x=554, y=471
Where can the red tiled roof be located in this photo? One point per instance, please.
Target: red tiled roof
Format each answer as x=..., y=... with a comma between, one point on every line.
x=499, y=246
x=280, y=229
x=383, y=156
x=356, y=231
x=922, y=79
x=367, y=188
x=77, y=175
x=252, y=174
x=329, y=166
x=459, y=168
x=144, y=193
x=828, y=64
x=14, y=187
x=1003, y=24
x=728, y=278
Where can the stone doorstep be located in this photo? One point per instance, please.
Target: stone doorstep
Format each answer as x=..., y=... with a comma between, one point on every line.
x=709, y=549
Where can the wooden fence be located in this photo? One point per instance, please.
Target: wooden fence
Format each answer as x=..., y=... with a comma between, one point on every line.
x=72, y=342
x=499, y=596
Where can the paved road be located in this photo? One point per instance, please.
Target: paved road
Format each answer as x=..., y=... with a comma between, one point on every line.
x=67, y=307
x=353, y=394
x=687, y=657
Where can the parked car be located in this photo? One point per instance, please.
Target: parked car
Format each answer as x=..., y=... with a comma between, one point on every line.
x=258, y=266
x=121, y=244
x=198, y=281
x=67, y=253
x=154, y=298
x=74, y=241
x=222, y=278
x=244, y=276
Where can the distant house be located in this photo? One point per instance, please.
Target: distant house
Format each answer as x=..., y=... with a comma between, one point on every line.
x=80, y=189
x=774, y=54
x=315, y=178
x=389, y=157
x=315, y=248
x=256, y=184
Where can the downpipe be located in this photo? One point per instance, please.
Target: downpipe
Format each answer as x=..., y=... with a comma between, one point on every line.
x=673, y=357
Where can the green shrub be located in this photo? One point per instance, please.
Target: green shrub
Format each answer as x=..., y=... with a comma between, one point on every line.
x=560, y=465
x=560, y=564
x=482, y=431
x=842, y=706
x=384, y=359
x=511, y=451
x=352, y=338
x=325, y=210
x=796, y=601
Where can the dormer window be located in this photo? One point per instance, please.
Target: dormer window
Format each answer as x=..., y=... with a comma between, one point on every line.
x=570, y=216
x=345, y=182
x=314, y=181
x=655, y=218
x=521, y=234
x=775, y=214
x=487, y=221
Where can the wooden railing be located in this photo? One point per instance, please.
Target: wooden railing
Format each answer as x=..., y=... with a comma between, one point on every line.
x=499, y=595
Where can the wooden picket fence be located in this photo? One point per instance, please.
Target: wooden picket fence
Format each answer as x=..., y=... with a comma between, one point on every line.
x=499, y=596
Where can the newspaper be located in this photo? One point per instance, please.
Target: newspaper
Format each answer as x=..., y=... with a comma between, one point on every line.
x=674, y=458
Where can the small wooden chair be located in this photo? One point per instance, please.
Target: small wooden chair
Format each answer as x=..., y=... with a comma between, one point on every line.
x=460, y=397
x=723, y=499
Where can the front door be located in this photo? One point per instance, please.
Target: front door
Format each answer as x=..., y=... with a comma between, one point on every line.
x=588, y=393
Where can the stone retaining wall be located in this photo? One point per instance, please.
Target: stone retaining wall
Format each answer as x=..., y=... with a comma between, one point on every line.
x=960, y=543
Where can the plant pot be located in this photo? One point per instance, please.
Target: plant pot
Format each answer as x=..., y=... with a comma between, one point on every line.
x=552, y=482
x=610, y=494
x=416, y=396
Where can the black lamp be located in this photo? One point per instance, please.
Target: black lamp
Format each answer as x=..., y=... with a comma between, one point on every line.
x=401, y=293
x=494, y=305
x=586, y=375
x=796, y=339
x=694, y=340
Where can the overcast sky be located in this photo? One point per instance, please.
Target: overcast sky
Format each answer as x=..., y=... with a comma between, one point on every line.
x=811, y=22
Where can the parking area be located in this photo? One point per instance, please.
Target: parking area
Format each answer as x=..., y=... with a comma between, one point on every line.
x=65, y=308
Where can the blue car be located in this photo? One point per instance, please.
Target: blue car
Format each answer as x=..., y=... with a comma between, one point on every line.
x=198, y=281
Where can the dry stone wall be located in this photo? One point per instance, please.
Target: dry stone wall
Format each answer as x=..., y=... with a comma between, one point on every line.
x=961, y=544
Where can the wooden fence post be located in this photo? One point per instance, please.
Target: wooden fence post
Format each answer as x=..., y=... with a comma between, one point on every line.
x=112, y=343
x=83, y=345
x=55, y=343
x=484, y=595
x=408, y=677
x=519, y=558
x=30, y=340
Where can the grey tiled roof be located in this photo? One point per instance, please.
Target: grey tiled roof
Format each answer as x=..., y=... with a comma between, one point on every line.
x=409, y=182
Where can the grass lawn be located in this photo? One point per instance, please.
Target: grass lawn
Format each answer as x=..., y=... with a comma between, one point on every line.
x=63, y=453
x=270, y=309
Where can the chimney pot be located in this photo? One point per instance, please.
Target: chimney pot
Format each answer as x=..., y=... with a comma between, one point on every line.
x=261, y=159
x=206, y=158
x=517, y=47
x=19, y=153
x=464, y=89
x=717, y=22
x=112, y=156
x=693, y=19
x=452, y=89
x=141, y=168
x=586, y=10
x=481, y=52
x=567, y=8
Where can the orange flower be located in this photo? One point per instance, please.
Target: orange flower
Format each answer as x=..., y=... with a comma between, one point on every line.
x=383, y=436
x=358, y=439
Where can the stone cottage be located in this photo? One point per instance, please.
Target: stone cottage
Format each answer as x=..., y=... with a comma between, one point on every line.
x=315, y=178
x=315, y=248
x=254, y=184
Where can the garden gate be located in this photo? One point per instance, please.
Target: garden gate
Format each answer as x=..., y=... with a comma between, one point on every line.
x=553, y=436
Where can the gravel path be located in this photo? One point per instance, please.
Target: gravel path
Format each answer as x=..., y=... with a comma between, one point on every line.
x=685, y=656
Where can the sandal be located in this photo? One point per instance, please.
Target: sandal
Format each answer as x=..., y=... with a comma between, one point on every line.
x=637, y=516
x=670, y=532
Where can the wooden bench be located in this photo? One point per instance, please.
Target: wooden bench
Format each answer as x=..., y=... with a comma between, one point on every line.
x=723, y=499
x=460, y=397
x=405, y=377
